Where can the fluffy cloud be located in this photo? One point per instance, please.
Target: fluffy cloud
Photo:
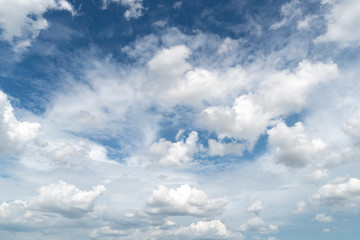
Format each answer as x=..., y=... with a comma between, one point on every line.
x=294, y=147
x=135, y=8
x=65, y=199
x=321, y=217
x=341, y=193
x=352, y=127
x=43, y=211
x=255, y=208
x=278, y=93
x=14, y=134
x=256, y=224
x=284, y=92
x=178, y=153
x=244, y=120
x=300, y=207
x=183, y=201
x=173, y=80
x=341, y=28
x=21, y=21
x=213, y=229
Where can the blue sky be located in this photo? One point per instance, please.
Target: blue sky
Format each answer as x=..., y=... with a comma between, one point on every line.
x=136, y=119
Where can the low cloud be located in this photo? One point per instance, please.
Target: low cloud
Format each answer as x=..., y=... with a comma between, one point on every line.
x=183, y=200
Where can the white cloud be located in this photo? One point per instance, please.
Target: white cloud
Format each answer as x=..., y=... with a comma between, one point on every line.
x=326, y=230
x=342, y=194
x=22, y=21
x=284, y=92
x=174, y=81
x=321, y=217
x=306, y=22
x=65, y=199
x=294, y=147
x=218, y=148
x=168, y=65
x=318, y=175
x=204, y=229
x=352, y=127
x=300, y=207
x=228, y=45
x=244, y=120
x=277, y=93
x=183, y=201
x=14, y=134
x=255, y=208
x=135, y=8
x=289, y=11
x=107, y=231
x=178, y=153
x=342, y=28
x=256, y=224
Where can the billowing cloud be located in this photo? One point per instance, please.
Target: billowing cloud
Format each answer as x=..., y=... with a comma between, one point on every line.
x=183, y=200
x=294, y=147
x=341, y=193
x=341, y=28
x=65, y=199
x=21, y=21
x=244, y=120
x=14, y=134
x=178, y=153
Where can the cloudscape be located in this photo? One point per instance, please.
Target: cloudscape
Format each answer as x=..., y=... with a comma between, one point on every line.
x=180, y=119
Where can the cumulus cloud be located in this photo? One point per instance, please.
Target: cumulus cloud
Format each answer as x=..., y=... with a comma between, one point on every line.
x=341, y=194
x=135, y=8
x=14, y=134
x=22, y=21
x=321, y=217
x=294, y=147
x=65, y=199
x=178, y=153
x=43, y=210
x=213, y=229
x=256, y=224
x=341, y=28
x=244, y=120
x=255, y=208
x=352, y=127
x=300, y=207
x=278, y=93
x=284, y=92
x=183, y=200
x=174, y=81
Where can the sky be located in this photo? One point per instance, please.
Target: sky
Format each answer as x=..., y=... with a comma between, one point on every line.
x=180, y=119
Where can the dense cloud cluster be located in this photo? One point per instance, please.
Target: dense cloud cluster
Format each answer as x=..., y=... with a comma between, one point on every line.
x=130, y=119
